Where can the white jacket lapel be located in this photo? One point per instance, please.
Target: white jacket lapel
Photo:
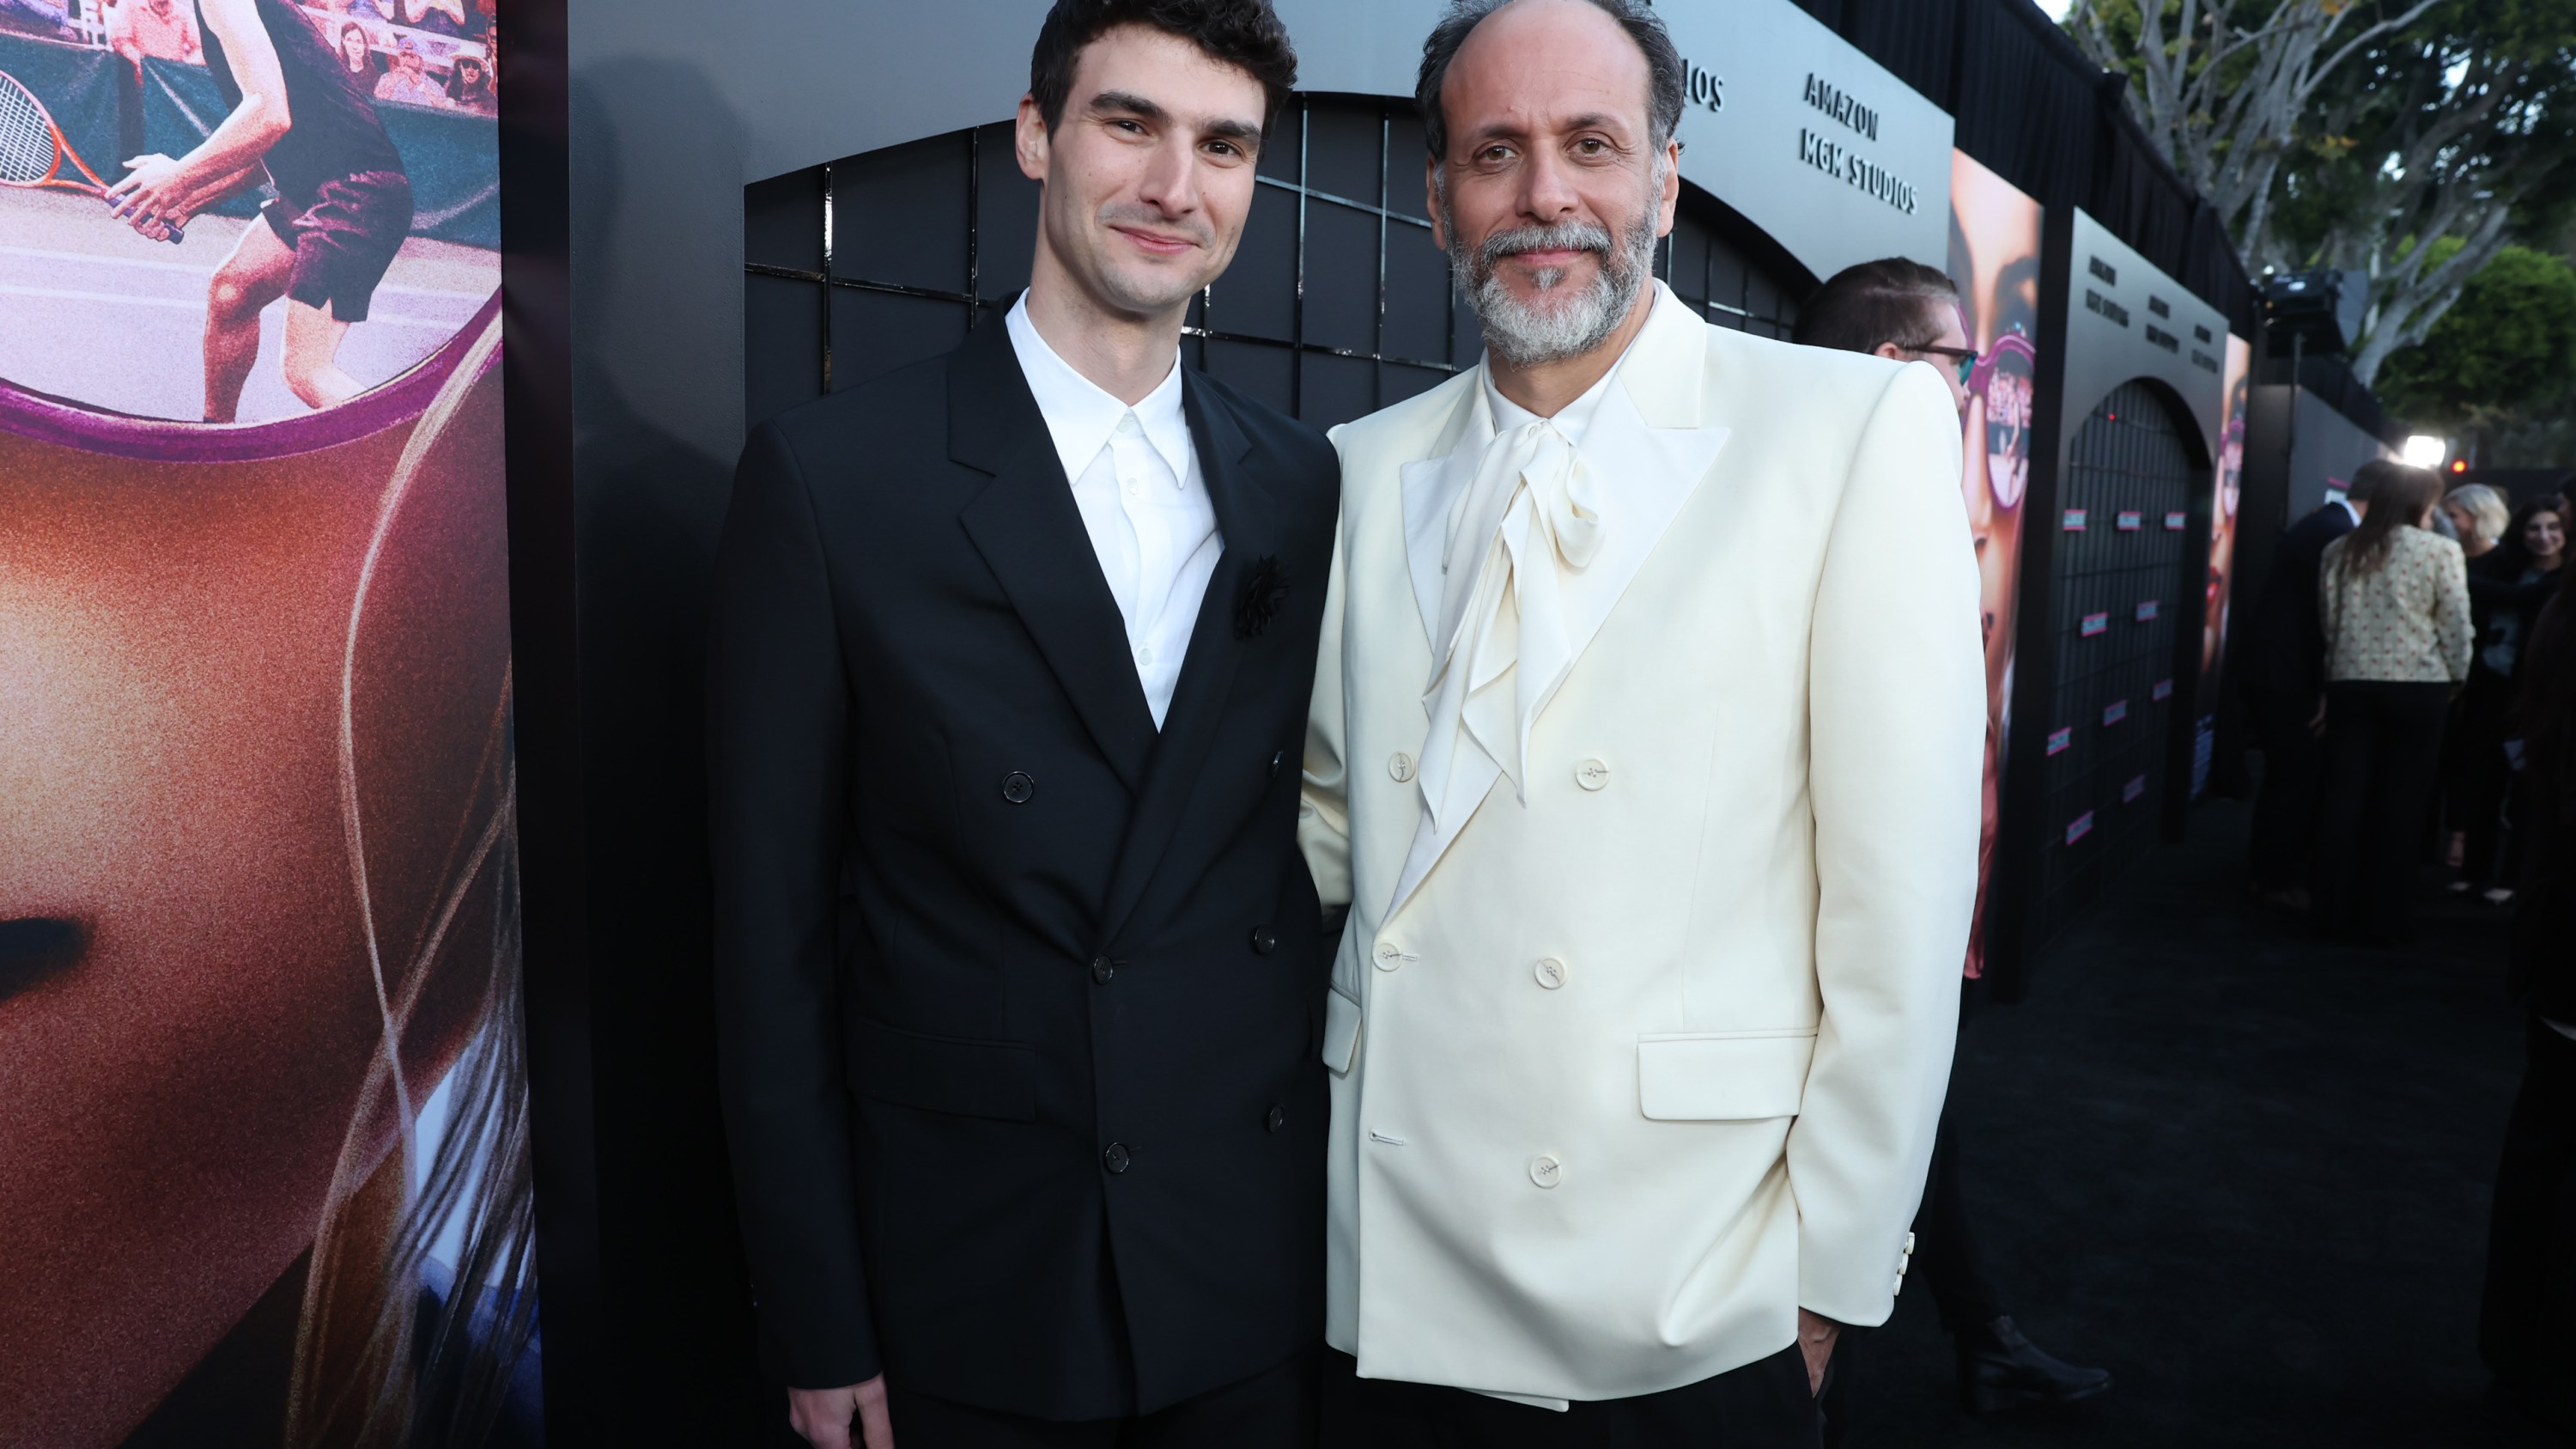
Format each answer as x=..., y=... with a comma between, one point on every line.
x=1646, y=443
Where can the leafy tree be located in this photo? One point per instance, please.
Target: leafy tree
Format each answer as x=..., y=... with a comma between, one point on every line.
x=2508, y=343
x=2359, y=133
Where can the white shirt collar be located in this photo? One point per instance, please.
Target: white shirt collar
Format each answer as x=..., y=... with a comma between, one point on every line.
x=1082, y=417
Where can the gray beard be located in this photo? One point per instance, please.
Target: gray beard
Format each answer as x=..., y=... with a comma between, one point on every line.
x=1578, y=321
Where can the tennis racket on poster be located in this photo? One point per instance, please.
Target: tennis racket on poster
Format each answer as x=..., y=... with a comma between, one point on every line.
x=32, y=150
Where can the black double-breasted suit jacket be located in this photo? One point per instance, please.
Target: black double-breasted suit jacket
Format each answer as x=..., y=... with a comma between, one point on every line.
x=1018, y=997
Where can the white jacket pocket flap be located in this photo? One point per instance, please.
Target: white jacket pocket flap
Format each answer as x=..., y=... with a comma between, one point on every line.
x=1721, y=1076
x=1341, y=1030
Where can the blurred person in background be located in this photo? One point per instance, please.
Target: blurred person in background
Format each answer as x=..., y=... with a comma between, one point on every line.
x=2283, y=676
x=357, y=55
x=161, y=29
x=408, y=83
x=2473, y=768
x=2393, y=601
x=470, y=88
x=1905, y=311
x=2517, y=581
x=2527, y=1321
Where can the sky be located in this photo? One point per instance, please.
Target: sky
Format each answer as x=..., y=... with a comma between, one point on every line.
x=2056, y=8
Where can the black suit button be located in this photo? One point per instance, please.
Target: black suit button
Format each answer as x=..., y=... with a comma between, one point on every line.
x=1102, y=968
x=1264, y=940
x=1277, y=1119
x=1017, y=787
x=1276, y=761
x=1115, y=1157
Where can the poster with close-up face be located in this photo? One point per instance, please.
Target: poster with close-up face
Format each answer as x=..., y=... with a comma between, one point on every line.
x=264, y=1172
x=2226, y=488
x=1994, y=260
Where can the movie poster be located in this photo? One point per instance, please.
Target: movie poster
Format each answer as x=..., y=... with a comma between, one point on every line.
x=264, y=1171
x=2227, y=488
x=1994, y=259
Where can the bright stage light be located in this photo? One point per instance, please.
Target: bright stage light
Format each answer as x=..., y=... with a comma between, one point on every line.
x=2425, y=451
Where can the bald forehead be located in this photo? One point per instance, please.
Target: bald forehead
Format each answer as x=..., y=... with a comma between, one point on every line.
x=1547, y=64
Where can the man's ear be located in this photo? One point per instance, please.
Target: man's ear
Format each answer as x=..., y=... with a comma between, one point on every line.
x=1890, y=351
x=1030, y=141
x=1670, y=201
x=1431, y=201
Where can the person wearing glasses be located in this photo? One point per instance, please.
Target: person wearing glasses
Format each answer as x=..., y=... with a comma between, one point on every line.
x=1905, y=311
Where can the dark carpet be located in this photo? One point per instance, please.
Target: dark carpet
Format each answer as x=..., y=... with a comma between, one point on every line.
x=2246, y=1172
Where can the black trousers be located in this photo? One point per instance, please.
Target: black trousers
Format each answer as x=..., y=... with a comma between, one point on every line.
x=2527, y=1321
x=1274, y=1409
x=2285, y=807
x=2383, y=755
x=2475, y=775
x=1763, y=1405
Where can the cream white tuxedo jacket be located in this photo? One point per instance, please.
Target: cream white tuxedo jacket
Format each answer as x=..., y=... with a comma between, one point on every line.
x=1650, y=1059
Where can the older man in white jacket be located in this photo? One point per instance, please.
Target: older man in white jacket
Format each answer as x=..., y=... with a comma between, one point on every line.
x=1645, y=751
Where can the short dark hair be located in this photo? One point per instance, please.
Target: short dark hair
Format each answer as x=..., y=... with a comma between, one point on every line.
x=2370, y=477
x=1245, y=34
x=1862, y=307
x=1666, y=77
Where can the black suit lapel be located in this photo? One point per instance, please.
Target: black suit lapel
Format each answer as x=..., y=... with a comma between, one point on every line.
x=1246, y=519
x=1031, y=534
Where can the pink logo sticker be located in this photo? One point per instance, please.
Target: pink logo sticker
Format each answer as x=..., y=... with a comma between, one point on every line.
x=2163, y=689
x=2129, y=522
x=2094, y=624
x=2061, y=740
x=2132, y=790
x=2114, y=712
x=2075, y=520
x=2079, y=827
x=2174, y=522
x=2146, y=610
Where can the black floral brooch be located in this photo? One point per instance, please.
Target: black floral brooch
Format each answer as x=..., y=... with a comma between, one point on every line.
x=1265, y=593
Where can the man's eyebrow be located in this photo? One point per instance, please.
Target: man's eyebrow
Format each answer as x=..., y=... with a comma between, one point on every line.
x=1126, y=103
x=1243, y=132
x=1123, y=103
x=1596, y=121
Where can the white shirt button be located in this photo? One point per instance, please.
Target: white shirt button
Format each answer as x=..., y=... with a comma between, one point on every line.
x=1592, y=775
x=1135, y=489
x=1400, y=765
x=1145, y=654
x=1551, y=972
x=1546, y=1171
x=1126, y=425
x=1390, y=956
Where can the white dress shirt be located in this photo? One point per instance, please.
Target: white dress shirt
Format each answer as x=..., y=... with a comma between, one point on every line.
x=1143, y=500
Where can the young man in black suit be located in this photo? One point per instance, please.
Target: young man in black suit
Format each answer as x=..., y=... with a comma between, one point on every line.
x=1019, y=980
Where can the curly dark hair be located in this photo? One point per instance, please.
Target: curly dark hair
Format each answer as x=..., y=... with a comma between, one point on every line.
x=1245, y=34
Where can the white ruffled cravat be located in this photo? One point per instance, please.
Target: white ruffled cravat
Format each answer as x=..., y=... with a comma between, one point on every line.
x=1533, y=517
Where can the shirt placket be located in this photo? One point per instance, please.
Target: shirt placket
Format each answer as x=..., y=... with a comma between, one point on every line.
x=1133, y=474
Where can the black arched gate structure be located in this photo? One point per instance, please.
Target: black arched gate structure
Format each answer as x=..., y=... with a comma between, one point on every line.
x=1336, y=305
x=2124, y=585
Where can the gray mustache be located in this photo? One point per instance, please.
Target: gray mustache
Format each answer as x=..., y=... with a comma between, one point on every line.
x=1562, y=236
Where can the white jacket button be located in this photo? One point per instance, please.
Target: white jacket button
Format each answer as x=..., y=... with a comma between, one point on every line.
x=1551, y=972
x=1400, y=765
x=1389, y=956
x=1546, y=1171
x=1592, y=775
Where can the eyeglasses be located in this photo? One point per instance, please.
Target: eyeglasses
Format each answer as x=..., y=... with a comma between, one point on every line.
x=1963, y=360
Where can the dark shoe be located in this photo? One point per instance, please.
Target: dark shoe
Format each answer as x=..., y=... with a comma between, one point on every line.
x=1999, y=1369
